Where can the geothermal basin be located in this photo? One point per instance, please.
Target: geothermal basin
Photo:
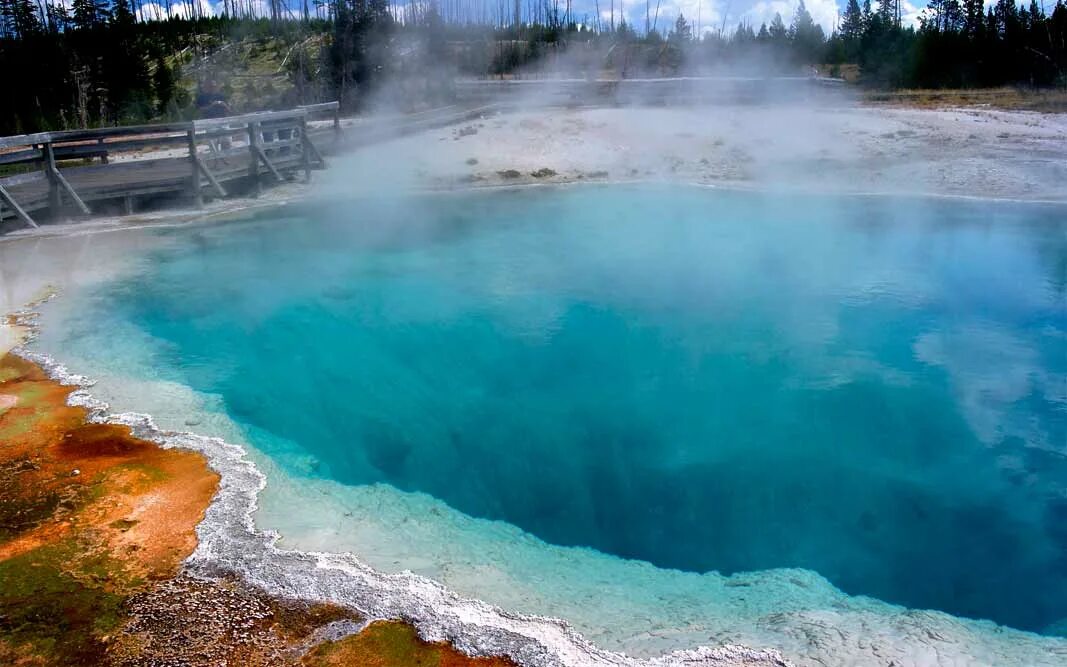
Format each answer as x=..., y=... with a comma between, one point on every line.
x=671, y=415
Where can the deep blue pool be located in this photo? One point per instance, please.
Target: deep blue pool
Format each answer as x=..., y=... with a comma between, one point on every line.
x=872, y=388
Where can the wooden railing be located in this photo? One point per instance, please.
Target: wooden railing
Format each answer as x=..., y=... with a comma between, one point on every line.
x=271, y=142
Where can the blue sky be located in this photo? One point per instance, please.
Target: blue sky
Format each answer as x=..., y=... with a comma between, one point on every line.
x=708, y=15
x=712, y=12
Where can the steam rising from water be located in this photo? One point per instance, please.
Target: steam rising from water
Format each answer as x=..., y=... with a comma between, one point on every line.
x=780, y=607
x=780, y=146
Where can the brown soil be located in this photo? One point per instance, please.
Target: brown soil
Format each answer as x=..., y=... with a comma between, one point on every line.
x=94, y=526
x=1016, y=99
x=132, y=497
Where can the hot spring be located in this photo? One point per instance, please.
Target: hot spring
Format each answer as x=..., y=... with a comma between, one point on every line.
x=667, y=414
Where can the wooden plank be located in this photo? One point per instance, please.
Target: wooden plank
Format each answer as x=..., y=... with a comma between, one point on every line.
x=263, y=116
x=96, y=182
x=179, y=129
x=14, y=206
x=22, y=179
x=237, y=131
x=25, y=140
x=83, y=135
x=119, y=131
x=134, y=144
x=15, y=157
x=322, y=107
x=226, y=153
x=276, y=144
x=292, y=122
x=78, y=152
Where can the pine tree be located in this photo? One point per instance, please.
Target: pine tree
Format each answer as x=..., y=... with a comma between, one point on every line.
x=778, y=32
x=683, y=32
x=18, y=19
x=852, y=22
x=163, y=83
x=1036, y=15
x=678, y=40
x=121, y=15
x=889, y=11
x=88, y=14
x=951, y=15
x=744, y=34
x=972, y=17
x=806, y=35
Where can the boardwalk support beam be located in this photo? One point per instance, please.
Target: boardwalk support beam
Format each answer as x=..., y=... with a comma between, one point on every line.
x=309, y=149
x=14, y=206
x=210, y=177
x=57, y=181
x=197, y=167
x=253, y=159
x=257, y=151
x=305, y=155
x=194, y=171
x=270, y=167
x=55, y=201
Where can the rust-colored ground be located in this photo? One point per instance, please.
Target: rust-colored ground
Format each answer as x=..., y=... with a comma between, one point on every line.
x=392, y=644
x=89, y=515
x=94, y=526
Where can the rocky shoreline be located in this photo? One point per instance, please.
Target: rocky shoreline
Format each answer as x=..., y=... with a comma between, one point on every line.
x=96, y=526
x=233, y=564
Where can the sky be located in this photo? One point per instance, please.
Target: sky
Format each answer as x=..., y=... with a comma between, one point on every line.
x=711, y=13
x=705, y=15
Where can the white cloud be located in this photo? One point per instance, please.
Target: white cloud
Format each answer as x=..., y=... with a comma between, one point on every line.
x=711, y=12
x=702, y=14
x=156, y=12
x=992, y=371
x=823, y=12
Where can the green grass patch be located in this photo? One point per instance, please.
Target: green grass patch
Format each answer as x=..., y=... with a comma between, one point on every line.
x=51, y=602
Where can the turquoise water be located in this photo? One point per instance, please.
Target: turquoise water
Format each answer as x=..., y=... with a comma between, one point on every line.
x=871, y=388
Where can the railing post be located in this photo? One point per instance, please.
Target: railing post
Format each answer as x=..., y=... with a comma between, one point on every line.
x=253, y=157
x=304, y=150
x=337, y=126
x=55, y=202
x=194, y=169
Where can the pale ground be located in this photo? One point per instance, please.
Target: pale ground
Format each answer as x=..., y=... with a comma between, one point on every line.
x=965, y=152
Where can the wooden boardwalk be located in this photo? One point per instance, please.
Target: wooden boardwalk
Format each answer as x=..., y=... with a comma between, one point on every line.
x=193, y=161
x=157, y=163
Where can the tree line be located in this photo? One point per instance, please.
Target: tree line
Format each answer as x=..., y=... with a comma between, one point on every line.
x=92, y=62
x=957, y=44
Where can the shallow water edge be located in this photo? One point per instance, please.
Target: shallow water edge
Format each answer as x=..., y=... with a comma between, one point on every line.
x=229, y=543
